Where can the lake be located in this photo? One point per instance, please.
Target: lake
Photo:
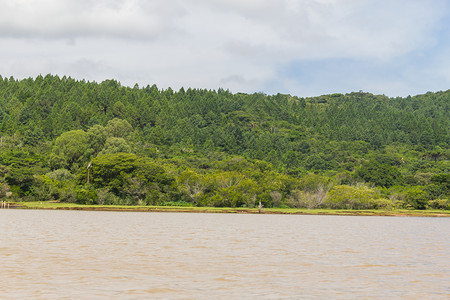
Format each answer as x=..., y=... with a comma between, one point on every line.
x=133, y=255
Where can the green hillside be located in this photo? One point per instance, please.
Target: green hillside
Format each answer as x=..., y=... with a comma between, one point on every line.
x=102, y=143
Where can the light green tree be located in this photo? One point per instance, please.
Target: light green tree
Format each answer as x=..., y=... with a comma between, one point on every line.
x=351, y=197
x=118, y=128
x=96, y=136
x=70, y=150
x=115, y=145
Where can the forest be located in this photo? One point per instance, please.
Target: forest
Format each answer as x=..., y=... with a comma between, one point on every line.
x=85, y=142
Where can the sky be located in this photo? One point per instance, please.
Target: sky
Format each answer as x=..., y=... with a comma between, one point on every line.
x=298, y=47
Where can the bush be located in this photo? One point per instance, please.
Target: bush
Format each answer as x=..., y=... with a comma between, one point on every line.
x=380, y=174
x=383, y=203
x=439, y=204
x=85, y=195
x=311, y=200
x=67, y=195
x=351, y=197
x=416, y=198
x=298, y=199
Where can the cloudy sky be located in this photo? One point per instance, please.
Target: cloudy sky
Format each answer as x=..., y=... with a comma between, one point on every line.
x=300, y=47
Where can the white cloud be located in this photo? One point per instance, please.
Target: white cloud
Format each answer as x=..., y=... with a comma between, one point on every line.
x=74, y=18
x=233, y=44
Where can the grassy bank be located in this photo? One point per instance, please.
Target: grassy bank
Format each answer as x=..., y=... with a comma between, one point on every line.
x=291, y=211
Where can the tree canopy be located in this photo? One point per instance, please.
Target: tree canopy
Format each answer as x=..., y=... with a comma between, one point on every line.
x=207, y=147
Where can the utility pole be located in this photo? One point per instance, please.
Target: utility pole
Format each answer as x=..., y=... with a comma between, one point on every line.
x=89, y=166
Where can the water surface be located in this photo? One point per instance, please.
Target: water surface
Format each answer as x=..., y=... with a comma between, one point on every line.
x=130, y=255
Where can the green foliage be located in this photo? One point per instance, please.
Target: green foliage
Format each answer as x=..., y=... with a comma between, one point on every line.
x=441, y=182
x=214, y=148
x=126, y=174
x=440, y=204
x=416, y=198
x=70, y=150
x=351, y=197
x=234, y=190
x=85, y=195
x=312, y=182
x=379, y=173
x=96, y=136
x=17, y=169
x=118, y=128
x=115, y=145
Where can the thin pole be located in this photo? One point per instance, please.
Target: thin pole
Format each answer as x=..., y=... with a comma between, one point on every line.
x=88, y=170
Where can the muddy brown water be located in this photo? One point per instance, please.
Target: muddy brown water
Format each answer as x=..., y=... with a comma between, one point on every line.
x=131, y=255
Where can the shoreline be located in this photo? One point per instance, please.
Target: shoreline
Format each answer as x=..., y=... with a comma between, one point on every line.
x=229, y=210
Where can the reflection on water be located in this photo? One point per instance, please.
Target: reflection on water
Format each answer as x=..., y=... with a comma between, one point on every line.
x=73, y=254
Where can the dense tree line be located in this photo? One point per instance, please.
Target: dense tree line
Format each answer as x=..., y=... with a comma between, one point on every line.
x=89, y=142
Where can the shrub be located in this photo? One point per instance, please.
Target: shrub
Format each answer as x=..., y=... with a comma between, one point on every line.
x=416, y=197
x=85, y=195
x=351, y=197
x=383, y=203
x=311, y=200
x=439, y=204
